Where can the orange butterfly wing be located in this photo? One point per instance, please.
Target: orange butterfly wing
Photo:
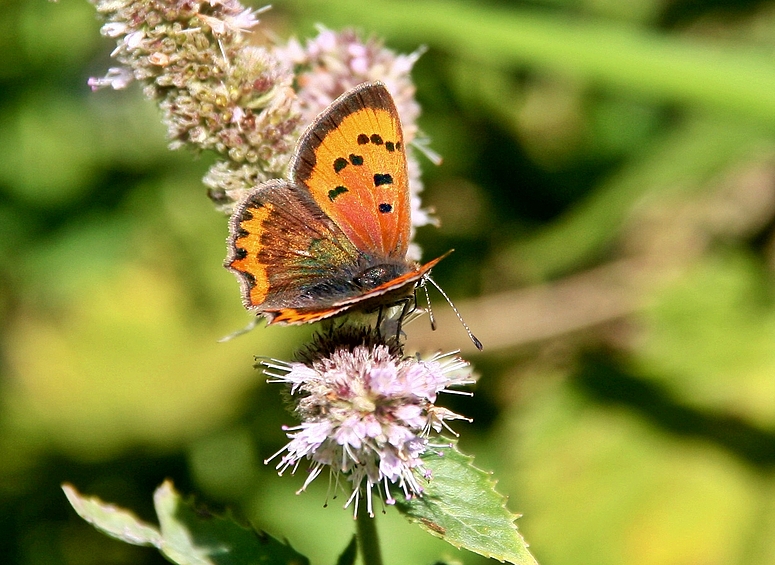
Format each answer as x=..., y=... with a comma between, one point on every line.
x=353, y=161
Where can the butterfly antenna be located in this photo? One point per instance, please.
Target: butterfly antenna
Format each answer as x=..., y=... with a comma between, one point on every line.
x=474, y=339
x=430, y=308
x=253, y=323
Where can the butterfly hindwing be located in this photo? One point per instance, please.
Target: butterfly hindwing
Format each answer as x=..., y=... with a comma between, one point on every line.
x=352, y=160
x=286, y=251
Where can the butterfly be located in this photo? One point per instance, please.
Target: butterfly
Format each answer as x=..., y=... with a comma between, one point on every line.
x=333, y=237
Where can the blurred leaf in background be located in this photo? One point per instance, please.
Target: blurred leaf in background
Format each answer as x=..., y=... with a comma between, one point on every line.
x=609, y=187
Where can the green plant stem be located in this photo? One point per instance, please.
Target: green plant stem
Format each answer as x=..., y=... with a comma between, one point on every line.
x=368, y=541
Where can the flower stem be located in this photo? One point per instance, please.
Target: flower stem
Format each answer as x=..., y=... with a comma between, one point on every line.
x=368, y=541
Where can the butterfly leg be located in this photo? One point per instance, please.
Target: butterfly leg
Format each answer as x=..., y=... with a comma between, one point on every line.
x=383, y=323
x=387, y=325
x=380, y=318
x=409, y=306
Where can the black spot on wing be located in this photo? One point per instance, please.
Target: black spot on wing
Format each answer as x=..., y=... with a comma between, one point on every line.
x=385, y=208
x=376, y=139
x=356, y=160
x=363, y=139
x=339, y=164
x=380, y=179
x=390, y=146
x=333, y=193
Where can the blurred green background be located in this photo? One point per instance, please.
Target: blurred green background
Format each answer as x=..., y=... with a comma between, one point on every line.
x=609, y=187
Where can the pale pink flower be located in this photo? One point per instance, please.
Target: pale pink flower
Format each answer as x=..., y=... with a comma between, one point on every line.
x=367, y=413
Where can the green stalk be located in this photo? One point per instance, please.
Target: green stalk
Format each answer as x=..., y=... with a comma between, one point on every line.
x=368, y=541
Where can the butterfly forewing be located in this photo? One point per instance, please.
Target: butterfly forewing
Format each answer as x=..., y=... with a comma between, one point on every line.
x=353, y=161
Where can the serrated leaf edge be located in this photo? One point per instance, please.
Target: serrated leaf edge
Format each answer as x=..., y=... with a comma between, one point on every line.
x=492, y=483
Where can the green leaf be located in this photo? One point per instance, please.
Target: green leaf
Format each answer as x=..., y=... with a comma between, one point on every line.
x=189, y=535
x=194, y=536
x=112, y=520
x=461, y=506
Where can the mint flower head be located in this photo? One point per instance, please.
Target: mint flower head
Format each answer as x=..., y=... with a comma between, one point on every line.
x=216, y=90
x=367, y=413
x=332, y=63
x=220, y=91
